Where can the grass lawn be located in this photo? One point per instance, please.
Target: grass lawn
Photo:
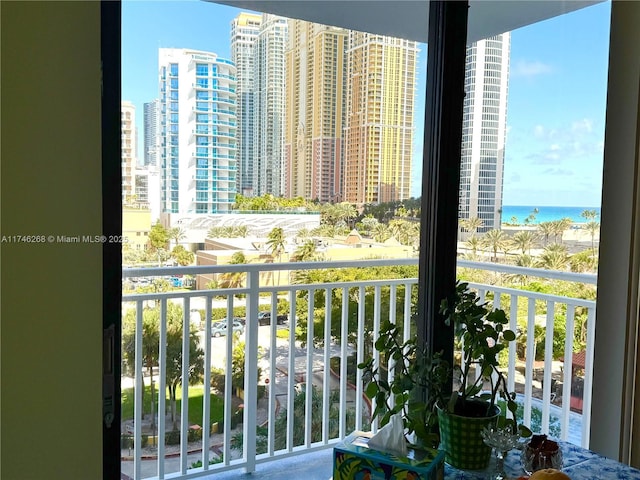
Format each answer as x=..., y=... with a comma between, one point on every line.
x=196, y=394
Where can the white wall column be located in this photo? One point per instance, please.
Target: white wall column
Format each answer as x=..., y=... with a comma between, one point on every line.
x=613, y=419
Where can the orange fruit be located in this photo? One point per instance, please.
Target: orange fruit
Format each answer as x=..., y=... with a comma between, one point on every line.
x=549, y=474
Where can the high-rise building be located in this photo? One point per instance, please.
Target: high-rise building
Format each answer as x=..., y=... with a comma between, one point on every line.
x=315, y=109
x=379, y=126
x=268, y=157
x=484, y=130
x=244, y=33
x=197, y=131
x=150, y=125
x=128, y=122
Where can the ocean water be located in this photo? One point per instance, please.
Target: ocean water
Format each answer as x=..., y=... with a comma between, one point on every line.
x=545, y=214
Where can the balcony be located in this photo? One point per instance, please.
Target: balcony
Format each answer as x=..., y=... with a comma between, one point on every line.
x=243, y=425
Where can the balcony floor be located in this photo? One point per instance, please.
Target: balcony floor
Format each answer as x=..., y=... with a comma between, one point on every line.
x=310, y=466
x=316, y=465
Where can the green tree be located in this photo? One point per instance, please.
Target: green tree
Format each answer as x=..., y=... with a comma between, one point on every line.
x=157, y=285
x=237, y=363
x=381, y=232
x=474, y=243
x=471, y=224
x=150, y=342
x=524, y=240
x=589, y=215
x=556, y=247
x=560, y=226
x=182, y=256
x=496, y=240
x=303, y=233
x=299, y=422
x=546, y=230
x=307, y=252
x=233, y=279
x=553, y=259
x=158, y=237
x=368, y=224
x=583, y=261
x=593, y=228
x=532, y=217
x=228, y=232
x=522, y=260
x=176, y=234
x=346, y=212
x=275, y=245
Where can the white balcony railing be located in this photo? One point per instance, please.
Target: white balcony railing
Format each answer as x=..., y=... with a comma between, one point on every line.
x=282, y=360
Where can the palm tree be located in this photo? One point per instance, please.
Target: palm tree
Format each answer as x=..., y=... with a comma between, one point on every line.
x=583, y=261
x=589, y=215
x=346, y=212
x=560, y=226
x=369, y=223
x=275, y=245
x=524, y=240
x=593, y=227
x=546, y=229
x=233, y=279
x=303, y=233
x=176, y=234
x=554, y=259
x=307, y=252
x=522, y=260
x=496, y=240
x=381, y=232
x=471, y=224
x=525, y=260
x=556, y=247
x=398, y=229
x=474, y=243
x=532, y=216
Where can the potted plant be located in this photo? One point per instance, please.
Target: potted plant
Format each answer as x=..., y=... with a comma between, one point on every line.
x=398, y=389
x=483, y=333
x=441, y=415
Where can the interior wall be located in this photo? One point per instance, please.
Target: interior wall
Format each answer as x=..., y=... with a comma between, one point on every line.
x=51, y=292
x=616, y=338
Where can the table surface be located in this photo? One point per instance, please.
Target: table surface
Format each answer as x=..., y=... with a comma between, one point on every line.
x=578, y=463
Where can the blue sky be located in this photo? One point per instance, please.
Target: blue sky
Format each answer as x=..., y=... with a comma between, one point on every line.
x=556, y=101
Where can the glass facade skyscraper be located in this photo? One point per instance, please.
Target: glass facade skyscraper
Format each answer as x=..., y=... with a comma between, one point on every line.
x=484, y=130
x=197, y=131
x=269, y=100
x=244, y=33
x=150, y=111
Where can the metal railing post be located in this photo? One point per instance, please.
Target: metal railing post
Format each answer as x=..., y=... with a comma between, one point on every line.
x=251, y=371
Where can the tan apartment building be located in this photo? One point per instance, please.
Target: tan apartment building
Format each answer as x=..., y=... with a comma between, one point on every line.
x=315, y=110
x=136, y=225
x=379, y=126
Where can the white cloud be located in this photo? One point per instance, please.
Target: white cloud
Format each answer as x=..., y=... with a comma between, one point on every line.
x=558, y=171
x=584, y=125
x=561, y=143
x=524, y=68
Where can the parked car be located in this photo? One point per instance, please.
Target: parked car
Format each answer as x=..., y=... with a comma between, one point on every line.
x=264, y=318
x=220, y=328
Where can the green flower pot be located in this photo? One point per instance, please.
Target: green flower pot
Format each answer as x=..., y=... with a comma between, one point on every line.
x=461, y=440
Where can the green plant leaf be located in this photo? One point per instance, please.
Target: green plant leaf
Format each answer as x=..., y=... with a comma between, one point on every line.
x=509, y=335
x=372, y=390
